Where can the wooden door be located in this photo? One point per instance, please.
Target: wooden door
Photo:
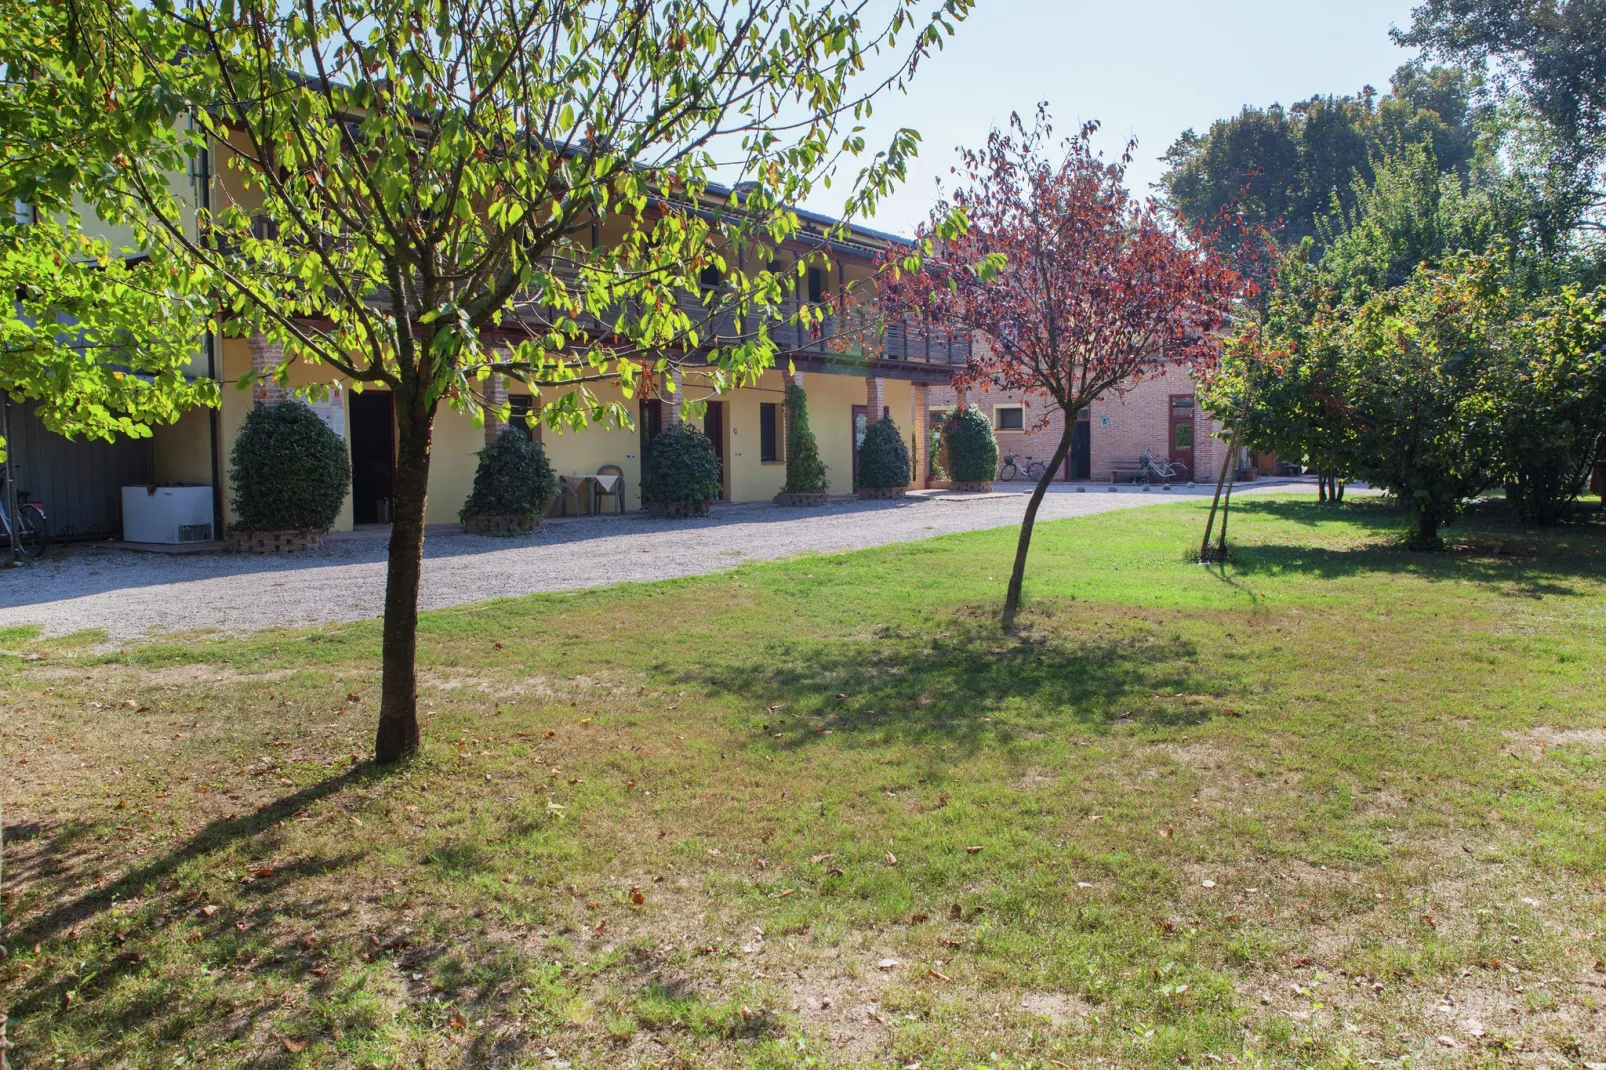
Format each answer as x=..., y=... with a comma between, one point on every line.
x=714, y=428
x=373, y=455
x=1181, y=436
x=1080, y=463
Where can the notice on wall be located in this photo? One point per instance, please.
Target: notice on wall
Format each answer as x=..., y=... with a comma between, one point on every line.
x=332, y=410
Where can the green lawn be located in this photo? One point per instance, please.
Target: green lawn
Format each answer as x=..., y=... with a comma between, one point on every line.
x=1338, y=803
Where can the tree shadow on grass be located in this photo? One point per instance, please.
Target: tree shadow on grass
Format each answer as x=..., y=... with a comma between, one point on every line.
x=1485, y=546
x=965, y=682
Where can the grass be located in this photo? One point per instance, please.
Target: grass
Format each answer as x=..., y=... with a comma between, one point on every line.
x=1335, y=803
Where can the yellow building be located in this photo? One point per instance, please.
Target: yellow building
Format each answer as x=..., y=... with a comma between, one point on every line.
x=847, y=375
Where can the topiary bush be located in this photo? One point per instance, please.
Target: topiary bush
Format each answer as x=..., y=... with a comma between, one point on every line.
x=287, y=471
x=972, y=449
x=513, y=479
x=883, y=457
x=805, y=472
x=680, y=469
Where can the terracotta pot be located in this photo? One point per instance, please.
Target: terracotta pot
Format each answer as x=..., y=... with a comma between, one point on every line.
x=677, y=510
x=789, y=498
x=276, y=542
x=501, y=524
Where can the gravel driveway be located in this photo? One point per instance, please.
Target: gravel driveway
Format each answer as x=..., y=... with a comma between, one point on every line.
x=132, y=594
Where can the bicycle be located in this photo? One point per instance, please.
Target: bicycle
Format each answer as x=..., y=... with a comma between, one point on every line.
x=1166, y=471
x=1011, y=469
x=30, y=528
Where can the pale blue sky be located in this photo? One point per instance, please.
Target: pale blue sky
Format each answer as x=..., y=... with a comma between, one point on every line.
x=1145, y=68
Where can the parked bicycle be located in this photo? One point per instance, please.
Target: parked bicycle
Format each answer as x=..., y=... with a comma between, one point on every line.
x=1013, y=469
x=29, y=524
x=1150, y=469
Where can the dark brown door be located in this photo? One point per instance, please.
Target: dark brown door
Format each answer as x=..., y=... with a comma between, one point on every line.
x=714, y=428
x=1182, y=433
x=373, y=456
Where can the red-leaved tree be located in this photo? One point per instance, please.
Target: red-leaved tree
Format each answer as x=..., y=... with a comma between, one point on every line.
x=1074, y=288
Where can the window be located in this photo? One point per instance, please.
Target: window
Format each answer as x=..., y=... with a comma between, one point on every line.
x=522, y=418
x=816, y=285
x=709, y=277
x=769, y=433
x=1009, y=418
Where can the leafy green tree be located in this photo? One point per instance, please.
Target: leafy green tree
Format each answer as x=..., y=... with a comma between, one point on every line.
x=805, y=472
x=1544, y=402
x=442, y=192
x=1285, y=171
x=99, y=338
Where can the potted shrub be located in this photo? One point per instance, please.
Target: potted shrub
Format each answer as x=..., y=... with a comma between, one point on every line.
x=512, y=485
x=806, y=479
x=972, y=450
x=288, y=475
x=883, y=461
x=680, y=474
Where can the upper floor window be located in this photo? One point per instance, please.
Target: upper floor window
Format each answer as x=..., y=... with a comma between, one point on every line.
x=816, y=285
x=710, y=277
x=1009, y=418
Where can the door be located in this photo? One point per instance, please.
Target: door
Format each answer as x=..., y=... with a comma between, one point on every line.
x=373, y=456
x=1080, y=463
x=714, y=428
x=1182, y=432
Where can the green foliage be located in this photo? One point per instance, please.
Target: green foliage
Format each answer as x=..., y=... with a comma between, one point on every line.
x=680, y=466
x=513, y=478
x=1545, y=403
x=883, y=457
x=972, y=447
x=805, y=472
x=287, y=471
x=101, y=344
x=1290, y=169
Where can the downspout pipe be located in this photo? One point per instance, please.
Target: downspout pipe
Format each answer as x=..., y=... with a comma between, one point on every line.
x=203, y=198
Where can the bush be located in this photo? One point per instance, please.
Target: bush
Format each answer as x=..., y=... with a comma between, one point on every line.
x=680, y=466
x=972, y=449
x=287, y=471
x=805, y=472
x=513, y=478
x=883, y=457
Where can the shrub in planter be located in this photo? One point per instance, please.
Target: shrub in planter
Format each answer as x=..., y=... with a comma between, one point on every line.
x=512, y=485
x=287, y=471
x=972, y=449
x=883, y=457
x=806, y=478
x=680, y=474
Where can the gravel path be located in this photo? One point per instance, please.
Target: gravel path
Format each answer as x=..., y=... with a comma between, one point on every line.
x=132, y=594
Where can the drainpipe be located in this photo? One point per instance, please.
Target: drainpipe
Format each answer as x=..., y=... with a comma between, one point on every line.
x=203, y=199
x=11, y=486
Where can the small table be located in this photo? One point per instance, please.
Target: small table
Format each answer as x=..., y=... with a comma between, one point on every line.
x=588, y=485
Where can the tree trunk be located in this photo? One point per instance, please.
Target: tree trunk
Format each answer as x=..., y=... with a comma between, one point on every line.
x=397, y=736
x=1018, y=576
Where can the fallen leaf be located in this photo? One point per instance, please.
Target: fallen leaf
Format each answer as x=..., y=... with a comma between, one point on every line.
x=972, y=850
x=456, y=1021
x=891, y=859
x=939, y=975
x=208, y=910
x=294, y=1046
x=636, y=897
x=888, y=964
x=352, y=696
x=1207, y=884
x=817, y=859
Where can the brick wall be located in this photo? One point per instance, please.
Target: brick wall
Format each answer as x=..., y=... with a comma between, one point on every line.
x=1037, y=443
x=1122, y=425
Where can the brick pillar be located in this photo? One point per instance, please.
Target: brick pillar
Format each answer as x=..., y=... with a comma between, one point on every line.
x=265, y=357
x=961, y=398
x=875, y=397
x=672, y=402
x=918, y=421
x=495, y=398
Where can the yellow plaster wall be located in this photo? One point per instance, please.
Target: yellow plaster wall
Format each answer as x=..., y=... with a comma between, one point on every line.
x=183, y=450
x=582, y=452
x=749, y=478
x=831, y=401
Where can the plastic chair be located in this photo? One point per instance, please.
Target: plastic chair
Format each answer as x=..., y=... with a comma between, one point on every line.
x=618, y=491
x=567, y=492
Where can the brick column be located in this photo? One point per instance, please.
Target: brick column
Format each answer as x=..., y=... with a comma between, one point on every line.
x=918, y=420
x=961, y=398
x=672, y=402
x=875, y=397
x=265, y=357
x=495, y=398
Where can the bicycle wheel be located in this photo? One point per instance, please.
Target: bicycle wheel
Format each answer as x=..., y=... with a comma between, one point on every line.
x=1008, y=474
x=1035, y=470
x=31, y=530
